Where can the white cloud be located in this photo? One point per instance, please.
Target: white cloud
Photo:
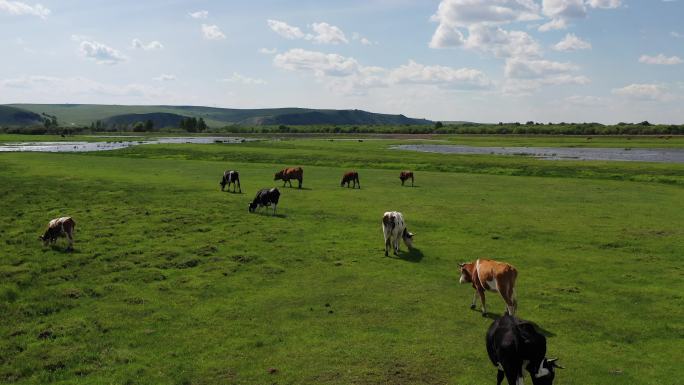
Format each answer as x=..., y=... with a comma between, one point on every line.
x=100, y=53
x=346, y=75
x=644, y=92
x=660, y=60
x=361, y=39
x=676, y=34
x=42, y=87
x=268, y=51
x=285, y=30
x=164, y=78
x=586, y=101
x=572, y=43
x=564, y=9
x=212, y=32
x=238, y=78
x=153, y=45
x=18, y=8
x=328, y=34
x=502, y=43
x=554, y=24
x=528, y=75
x=604, y=3
x=199, y=14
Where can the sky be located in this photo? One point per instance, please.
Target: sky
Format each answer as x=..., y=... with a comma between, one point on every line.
x=602, y=61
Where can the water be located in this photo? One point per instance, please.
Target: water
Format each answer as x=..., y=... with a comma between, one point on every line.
x=113, y=145
x=660, y=155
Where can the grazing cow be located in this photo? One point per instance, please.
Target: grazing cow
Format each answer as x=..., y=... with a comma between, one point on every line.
x=405, y=175
x=486, y=274
x=265, y=197
x=290, y=173
x=514, y=345
x=349, y=177
x=230, y=177
x=59, y=227
x=393, y=227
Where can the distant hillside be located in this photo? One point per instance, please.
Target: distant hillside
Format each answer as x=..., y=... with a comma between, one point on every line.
x=85, y=114
x=11, y=116
x=160, y=119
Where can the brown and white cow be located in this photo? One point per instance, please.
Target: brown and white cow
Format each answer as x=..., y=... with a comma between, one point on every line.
x=394, y=228
x=350, y=177
x=406, y=175
x=59, y=227
x=487, y=274
x=290, y=173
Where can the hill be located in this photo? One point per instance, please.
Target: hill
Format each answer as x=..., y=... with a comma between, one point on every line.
x=85, y=114
x=12, y=116
x=160, y=119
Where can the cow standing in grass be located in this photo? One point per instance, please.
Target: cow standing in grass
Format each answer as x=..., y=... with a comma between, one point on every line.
x=59, y=227
x=394, y=229
x=349, y=177
x=265, y=198
x=486, y=274
x=286, y=175
x=406, y=175
x=230, y=177
x=513, y=346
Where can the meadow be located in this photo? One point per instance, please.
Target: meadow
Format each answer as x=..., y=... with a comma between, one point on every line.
x=173, y=282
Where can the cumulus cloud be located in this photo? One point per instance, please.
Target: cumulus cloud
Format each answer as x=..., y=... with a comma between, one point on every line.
x=660, y=60
x=553, y=24
x=528, y=75
x=560, y=11
x=153, y=45
x=19, y=8
x=212, y=32
x=347, y=75
x=199, y=14
x=644, y=92
x=100, y=53
x=268, y=51
x=285, y=30
x=502, y=43
x=604, y=3
x=238, y=78
x=572, y=43
x=164, y=78
x=328, y=34
x=361, y=39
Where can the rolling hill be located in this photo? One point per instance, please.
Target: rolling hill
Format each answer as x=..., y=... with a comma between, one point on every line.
x=11, y=116
x=85, y=114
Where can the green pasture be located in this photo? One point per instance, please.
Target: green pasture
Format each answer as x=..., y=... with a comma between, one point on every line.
x=174, y=282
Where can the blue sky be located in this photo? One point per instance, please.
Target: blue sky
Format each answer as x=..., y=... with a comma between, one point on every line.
x=475, y=60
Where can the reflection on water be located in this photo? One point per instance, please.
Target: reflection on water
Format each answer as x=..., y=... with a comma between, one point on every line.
x=113, y=145
x=660, y=155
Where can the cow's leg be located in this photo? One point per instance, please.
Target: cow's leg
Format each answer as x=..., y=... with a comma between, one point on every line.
x=274, y=209
x=411, y=181
x=474, y=303
x=481, y=292
x=500, y=376
x=70, y=238
x=300, y=182
x=239, y=186
x=387, y=245
x=396, y=246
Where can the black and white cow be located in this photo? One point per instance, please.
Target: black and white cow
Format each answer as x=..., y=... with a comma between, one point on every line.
x=515, y=345
x=394, y=228
x=230, y=176
x=265, y=197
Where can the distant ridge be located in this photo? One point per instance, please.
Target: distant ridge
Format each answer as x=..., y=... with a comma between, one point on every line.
x=169, y=116
x=11, y=116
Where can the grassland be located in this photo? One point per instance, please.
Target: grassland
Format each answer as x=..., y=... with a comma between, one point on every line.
x=174, y=282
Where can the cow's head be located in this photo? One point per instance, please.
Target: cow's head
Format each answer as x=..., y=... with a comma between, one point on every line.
x=223, y=183
x=278, y=175
x=408, y=238
x=466, y=272
x=544, y=374
x=252, y=207
x=46, y=237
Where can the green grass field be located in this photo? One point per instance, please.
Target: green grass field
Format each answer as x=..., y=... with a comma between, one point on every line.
x=174, y=282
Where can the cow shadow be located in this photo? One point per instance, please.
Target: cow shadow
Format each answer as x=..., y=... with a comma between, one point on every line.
x=233, y=192
x=495, y=316
x=413, y=255
x=270, y=214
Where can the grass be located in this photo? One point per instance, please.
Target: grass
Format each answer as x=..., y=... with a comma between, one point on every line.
x=174, y=282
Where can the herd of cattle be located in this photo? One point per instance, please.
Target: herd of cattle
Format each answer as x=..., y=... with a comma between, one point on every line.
x=513, y=345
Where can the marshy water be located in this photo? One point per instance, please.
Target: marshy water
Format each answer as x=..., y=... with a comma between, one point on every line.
x=660, y=155
x=81, y=146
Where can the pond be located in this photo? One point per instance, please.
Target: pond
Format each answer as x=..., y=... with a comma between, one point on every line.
x=660, y=155
x=82, y=146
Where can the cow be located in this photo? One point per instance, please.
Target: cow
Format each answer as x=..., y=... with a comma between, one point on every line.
x=514, y=345
x=230, y=177
x=349, y=177
x=486, y=274
x=59, y=227
x=265, y=197
x=393, y=227
x=405, y=175
x=290, y=173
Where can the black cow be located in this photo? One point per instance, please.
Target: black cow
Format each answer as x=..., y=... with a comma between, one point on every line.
x=230, y=176
x=265, y=197
x=514, y=345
